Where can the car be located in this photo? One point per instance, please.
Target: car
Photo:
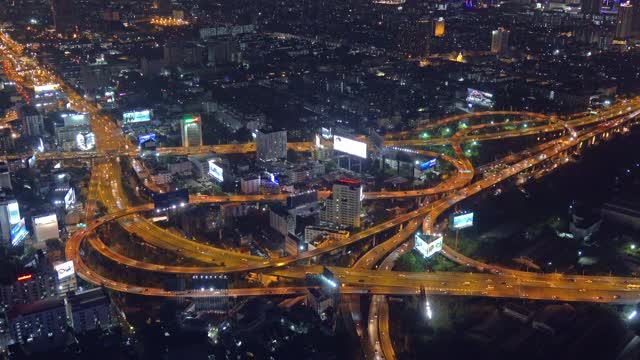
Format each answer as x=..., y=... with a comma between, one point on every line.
x=555, y=297
x=466, y=283
x=582, y=290
x=616, y=297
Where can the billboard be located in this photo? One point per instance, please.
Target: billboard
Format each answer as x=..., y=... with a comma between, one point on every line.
x=18, y=232
x=428, y=165
x=78, y=119
x=215, y=171
x=146, y=137
x=65, y=270
x=479, y=97
x=349, y=146
x=14, y=212
x=171, y=199
x=326, y=133
x=45, y=227
x=69, y=198
x=133, y=117
x=461, y=221
x=428, y=245
x=44, y=88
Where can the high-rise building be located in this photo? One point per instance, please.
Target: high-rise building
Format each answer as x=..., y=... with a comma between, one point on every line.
x=345, y=204
x=500, y=41
x=624, y=24
x=39, y=324
x=416, y=38
x=590, y=7
x=31, y=286
x=271, y=145
x=9, y=218
x=89, y=310
x=32, y=121
x=438, y=27
x=191, y=130
x=64, y=15
x=5, y=176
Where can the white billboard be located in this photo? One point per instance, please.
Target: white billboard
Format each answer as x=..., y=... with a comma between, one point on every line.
x=132, y=117
x=428, y=248
x=349, y=146
x=479, y=97
x=14, y=212
x=45, y=88
x=79, y=119
x=69, y=198
x=65, y=270
x=45, y=227
x=215, y=171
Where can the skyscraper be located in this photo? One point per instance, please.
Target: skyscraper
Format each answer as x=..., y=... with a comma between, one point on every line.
x=500, y=41
x=64, y=15
x=624, y=24
x=416, y=38
x=271, y=145
x=191, y=130
x=345, y=204
x=590, y=7
x=32, y=121
x=438, y=27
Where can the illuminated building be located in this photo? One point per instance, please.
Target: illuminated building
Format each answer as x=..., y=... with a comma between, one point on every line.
x=32, y=121
x=9, y=217
x=590, y=7
x=191, y=130
x=438, y=29
x=271, y=145
x=345, y=204
x=500, y=41
x=89, y=310
x=45, y=227
x=39, y=324
x=29, y=287
x=624, y=24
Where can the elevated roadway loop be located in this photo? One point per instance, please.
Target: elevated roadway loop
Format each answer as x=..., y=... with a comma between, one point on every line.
x=439, y=208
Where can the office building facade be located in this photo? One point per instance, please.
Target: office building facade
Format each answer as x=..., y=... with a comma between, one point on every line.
x=191, y=130
x=272, y=145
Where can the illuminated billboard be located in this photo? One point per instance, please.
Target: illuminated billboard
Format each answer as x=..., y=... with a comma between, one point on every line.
x=479, y=97
x=18, y=232
x=461, y=221
x=326, y=133
x=215, y=171
x=69, y=198
x=14, y=212
x=428, y=245
x=428, y=165
x=133, y=117
x=146, y=137
x=45, y=227
x=349, y=146
x=44, y=88
x=79, y=119
x=65, y=270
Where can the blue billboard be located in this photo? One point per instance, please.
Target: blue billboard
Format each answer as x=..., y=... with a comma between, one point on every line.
x=428, y=165
x=18, y=232
x=461, y=221
x=146, y=137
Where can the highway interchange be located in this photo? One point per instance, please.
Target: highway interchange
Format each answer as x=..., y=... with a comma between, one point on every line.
x=495, y=281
